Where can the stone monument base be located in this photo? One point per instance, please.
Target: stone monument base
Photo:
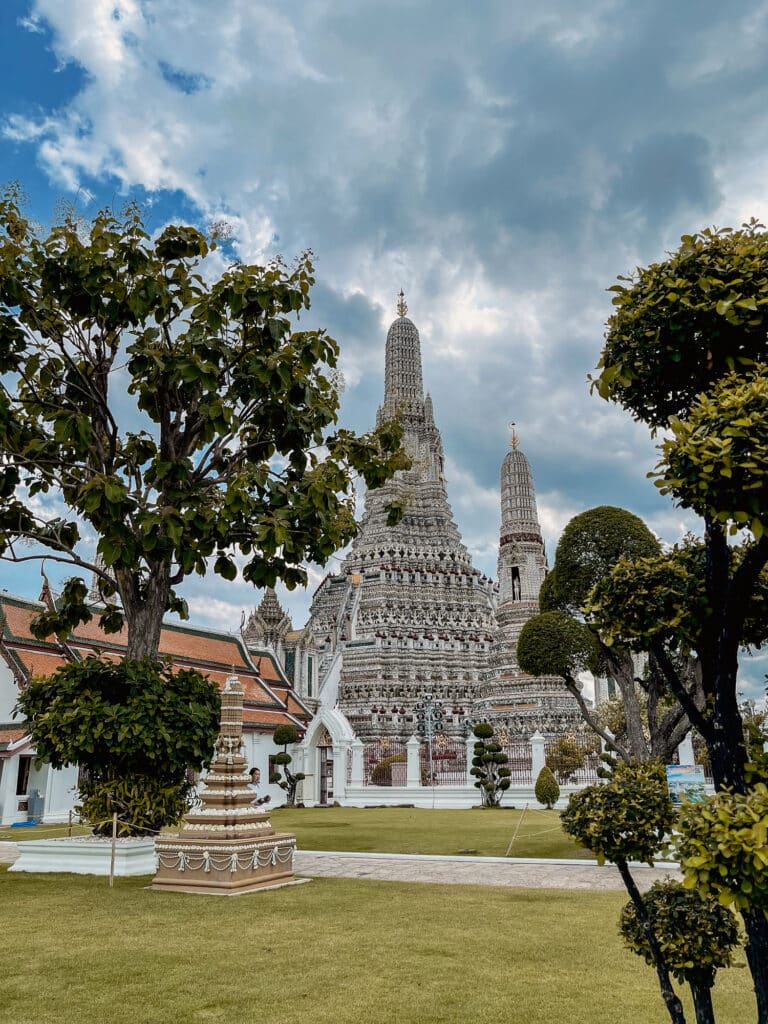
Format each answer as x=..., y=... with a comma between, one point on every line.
x=223, y=867
x=87, y=855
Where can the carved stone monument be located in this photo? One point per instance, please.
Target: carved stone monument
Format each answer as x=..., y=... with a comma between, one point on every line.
x=226, y=846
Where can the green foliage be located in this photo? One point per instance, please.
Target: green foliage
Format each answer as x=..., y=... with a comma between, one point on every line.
x=591, y=544
x=144, y=804
x=717, y=459
x=625, y=818
x=696, y=934
x=489, y=766
x=285, y=734
x=233, y=446
x=723, y=847
x=556, y=644
x=382, y=772
x=682, y=324
x=546, y=789
x=132, y=717
x=135, y=727
x=286, y=780
x=566, y=757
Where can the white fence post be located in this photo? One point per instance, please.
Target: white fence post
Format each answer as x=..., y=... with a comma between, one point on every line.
x=471, y=741
x=685, y=751
x=538, y=758
x=357, y=763
x=413, y=768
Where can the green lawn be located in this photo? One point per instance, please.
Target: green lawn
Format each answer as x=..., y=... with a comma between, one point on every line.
x=336, y=951
x=483, y=833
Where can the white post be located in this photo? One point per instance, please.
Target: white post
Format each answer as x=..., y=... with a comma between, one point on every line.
x=9, y=804
x=413, y=768
x=340, y=771
x=471, y=741
x=538, y=758
x=358, y=748
x=685, y=751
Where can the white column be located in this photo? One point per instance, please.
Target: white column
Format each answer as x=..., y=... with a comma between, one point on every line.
x=340, y=770
x=413, y=768
x=8, y=800
x=538, y=759
x=358, y=748
x=685, y=751
x=471, y=741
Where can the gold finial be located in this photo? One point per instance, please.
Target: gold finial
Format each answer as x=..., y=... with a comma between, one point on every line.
x=402, y=306
x=514, y=442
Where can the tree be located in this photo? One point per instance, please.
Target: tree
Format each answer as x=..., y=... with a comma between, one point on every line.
x=489, y=766
x=687, y=350
x=546, y=790
x=566, y=757
x=592, y=545
x=134, y=728
x=696, y=935
x=284, y=736
x=180, y=421
x=625, y=819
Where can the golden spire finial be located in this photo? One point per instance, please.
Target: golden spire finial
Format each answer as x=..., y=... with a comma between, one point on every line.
x=402, y=306
x=514, y=442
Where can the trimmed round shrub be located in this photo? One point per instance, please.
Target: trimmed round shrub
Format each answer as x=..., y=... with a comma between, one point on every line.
x=546, y=789
x=382, y=772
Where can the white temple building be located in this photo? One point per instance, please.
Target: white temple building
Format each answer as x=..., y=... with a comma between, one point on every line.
x=408, y=615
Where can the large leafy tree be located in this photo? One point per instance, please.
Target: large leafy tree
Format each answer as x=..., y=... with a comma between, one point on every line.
x=687, y=351
x=180, y=419
x=592, y=545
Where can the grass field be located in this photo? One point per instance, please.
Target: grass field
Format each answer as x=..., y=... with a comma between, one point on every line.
x=483, y=833
x=335, y=951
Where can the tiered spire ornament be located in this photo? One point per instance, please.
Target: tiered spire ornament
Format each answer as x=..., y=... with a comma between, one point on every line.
x=421, y=615
x=227, y=845
x=521, y=703
x=402, y=305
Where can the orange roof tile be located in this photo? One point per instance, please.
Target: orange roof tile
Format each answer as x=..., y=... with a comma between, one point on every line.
x=39, y=663
x=268, y=718
x=18, y=619
x=11, y=735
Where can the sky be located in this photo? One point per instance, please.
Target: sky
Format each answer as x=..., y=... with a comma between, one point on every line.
x=502, y=162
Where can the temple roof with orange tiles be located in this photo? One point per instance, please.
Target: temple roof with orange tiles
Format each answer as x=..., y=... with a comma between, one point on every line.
x=269, y=698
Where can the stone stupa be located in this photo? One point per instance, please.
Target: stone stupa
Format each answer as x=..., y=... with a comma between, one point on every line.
x=227, y=846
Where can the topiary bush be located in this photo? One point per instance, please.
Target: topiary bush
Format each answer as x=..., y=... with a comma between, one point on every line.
x=695, y=933
x=286, y=780
x=546, y=789
x=489, y=766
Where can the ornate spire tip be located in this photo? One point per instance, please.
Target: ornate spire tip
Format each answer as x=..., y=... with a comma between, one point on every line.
x=402, y=306
x=514, y=442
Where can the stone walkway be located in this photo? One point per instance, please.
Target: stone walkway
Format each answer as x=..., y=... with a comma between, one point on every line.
x=513, y=873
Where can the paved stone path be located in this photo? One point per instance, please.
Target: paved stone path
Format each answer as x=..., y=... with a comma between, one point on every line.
x=517, y=873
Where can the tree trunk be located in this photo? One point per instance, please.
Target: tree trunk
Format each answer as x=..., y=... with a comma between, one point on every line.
x=144, y=604
x=624, y=672
x=702, y=1004
x=672, y=1001
x=756, y=927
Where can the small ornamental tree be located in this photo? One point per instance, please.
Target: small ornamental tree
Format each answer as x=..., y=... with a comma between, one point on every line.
x=134, y=728
x=592, y=545
x=546, y=789
x=489, y=766
x=624, y=819
x=686, y=352
x=285, y=736
x=566, y=757
x=696, y=935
